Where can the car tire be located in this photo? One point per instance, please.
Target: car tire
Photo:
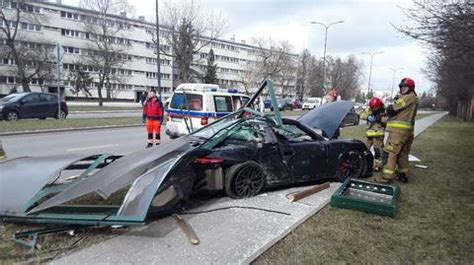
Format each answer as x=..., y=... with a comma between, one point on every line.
x=351, y=165
x=244, y=180
x=43, y=118
x=12, y=116
x=62, y=115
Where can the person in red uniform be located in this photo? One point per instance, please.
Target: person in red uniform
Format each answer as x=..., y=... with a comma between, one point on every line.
x=153, y=113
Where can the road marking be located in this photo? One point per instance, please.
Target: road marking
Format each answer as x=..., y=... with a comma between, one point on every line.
x=91, y=147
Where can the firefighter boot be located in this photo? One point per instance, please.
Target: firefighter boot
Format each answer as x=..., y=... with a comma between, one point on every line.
x=149, y=145
x=402, y=177
x=378, y=165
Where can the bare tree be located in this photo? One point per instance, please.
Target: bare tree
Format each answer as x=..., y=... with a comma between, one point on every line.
x=249, y=76
x=447, y=28
x=81, y=78
x=31, y=59
x=271, y=57
x=345, y=76
x=315, y=77
x=107, y=43
x=302, y=73
x=287, y=77
x=186, y=30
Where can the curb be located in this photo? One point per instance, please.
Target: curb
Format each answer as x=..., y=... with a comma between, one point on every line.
x=70, y=129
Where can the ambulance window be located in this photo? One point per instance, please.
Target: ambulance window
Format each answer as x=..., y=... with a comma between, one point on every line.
x=223, y=103
x=245, y=100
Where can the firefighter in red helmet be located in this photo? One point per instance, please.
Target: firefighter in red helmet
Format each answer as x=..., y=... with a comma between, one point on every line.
x=375, y=132
x=400, y=133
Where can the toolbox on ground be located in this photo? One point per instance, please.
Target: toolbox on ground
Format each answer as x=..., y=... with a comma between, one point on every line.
x=367, y=196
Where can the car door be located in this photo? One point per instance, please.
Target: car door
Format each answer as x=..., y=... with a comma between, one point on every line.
x=30, y=106
x=48, y=105
x=303, y=154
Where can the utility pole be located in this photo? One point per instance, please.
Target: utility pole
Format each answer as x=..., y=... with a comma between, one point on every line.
x=158, y=63
x=393, y=81
x=326, y=27
x=372, y=54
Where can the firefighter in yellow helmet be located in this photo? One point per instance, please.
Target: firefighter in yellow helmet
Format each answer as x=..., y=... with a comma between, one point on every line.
x=400, y=133
x=375, y=132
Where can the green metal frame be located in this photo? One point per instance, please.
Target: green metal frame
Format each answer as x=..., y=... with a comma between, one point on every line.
x=340, y=200
x=55, y=189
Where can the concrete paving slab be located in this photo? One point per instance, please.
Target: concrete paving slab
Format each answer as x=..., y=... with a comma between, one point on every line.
x=230, y=236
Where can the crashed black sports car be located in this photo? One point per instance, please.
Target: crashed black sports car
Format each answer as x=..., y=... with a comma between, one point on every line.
x=241, y=154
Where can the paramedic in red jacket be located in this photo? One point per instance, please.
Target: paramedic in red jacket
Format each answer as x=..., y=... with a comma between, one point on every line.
x=153, y=113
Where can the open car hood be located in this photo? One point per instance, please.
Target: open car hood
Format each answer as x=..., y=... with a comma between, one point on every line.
x=328, y=117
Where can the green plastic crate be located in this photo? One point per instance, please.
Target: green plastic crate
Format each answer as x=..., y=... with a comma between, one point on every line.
x=367, y=196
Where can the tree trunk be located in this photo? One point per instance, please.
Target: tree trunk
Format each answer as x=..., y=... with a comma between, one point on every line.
x=25, y=86
x=107, y=89
x=99, y=94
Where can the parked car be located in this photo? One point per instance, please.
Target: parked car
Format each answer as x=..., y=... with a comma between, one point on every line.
x=351, y=118
x=284, y=104
x=31, y=105
x=311, y=103
x=267, y=103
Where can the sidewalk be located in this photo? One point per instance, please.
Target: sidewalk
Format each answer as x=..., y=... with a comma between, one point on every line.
x=231, y=236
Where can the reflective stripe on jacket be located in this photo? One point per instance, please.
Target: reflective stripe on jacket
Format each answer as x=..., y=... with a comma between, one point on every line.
x=402, y=113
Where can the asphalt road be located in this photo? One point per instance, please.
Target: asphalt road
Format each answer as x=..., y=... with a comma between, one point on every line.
x=114, y=141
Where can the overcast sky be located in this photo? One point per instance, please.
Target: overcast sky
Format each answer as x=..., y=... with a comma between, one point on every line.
x=366, y=28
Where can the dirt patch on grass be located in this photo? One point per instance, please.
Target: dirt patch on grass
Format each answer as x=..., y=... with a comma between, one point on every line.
x=433, y=225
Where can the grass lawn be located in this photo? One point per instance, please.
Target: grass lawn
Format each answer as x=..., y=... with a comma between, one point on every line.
x=434, y=223
x=106, y=108
x=32, y=125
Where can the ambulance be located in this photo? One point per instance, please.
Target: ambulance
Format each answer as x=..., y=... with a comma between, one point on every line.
x=193, y=106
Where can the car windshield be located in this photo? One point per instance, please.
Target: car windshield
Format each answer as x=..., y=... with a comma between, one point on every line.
x=208, y=131
x=11, y=98
x=281, y=101
x=312, y=100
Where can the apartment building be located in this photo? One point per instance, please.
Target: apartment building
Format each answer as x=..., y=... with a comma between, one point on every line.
x=65, y=25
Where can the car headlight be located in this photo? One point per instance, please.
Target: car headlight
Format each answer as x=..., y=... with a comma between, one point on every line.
x=1, y=108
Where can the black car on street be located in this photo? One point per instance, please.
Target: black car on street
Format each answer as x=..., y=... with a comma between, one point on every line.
x=31, y=105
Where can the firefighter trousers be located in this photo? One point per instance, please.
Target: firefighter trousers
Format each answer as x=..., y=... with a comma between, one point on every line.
x=379, y=157
x=397, y=145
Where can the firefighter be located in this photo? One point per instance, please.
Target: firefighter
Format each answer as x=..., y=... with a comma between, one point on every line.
x=153, y=112
x=400, y=133
x=375, y=132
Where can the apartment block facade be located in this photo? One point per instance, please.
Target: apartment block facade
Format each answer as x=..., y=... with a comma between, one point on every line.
x=64, y=25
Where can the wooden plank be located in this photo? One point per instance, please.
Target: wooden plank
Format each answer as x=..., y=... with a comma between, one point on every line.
x=305, y=193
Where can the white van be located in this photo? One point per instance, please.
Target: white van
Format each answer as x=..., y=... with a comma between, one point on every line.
x=311, y=103
x=193, y=106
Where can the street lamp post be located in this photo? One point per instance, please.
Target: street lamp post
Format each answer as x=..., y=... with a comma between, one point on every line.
x=393, y=81
x=326, y=27
x=158, y=74
x=372, y=54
